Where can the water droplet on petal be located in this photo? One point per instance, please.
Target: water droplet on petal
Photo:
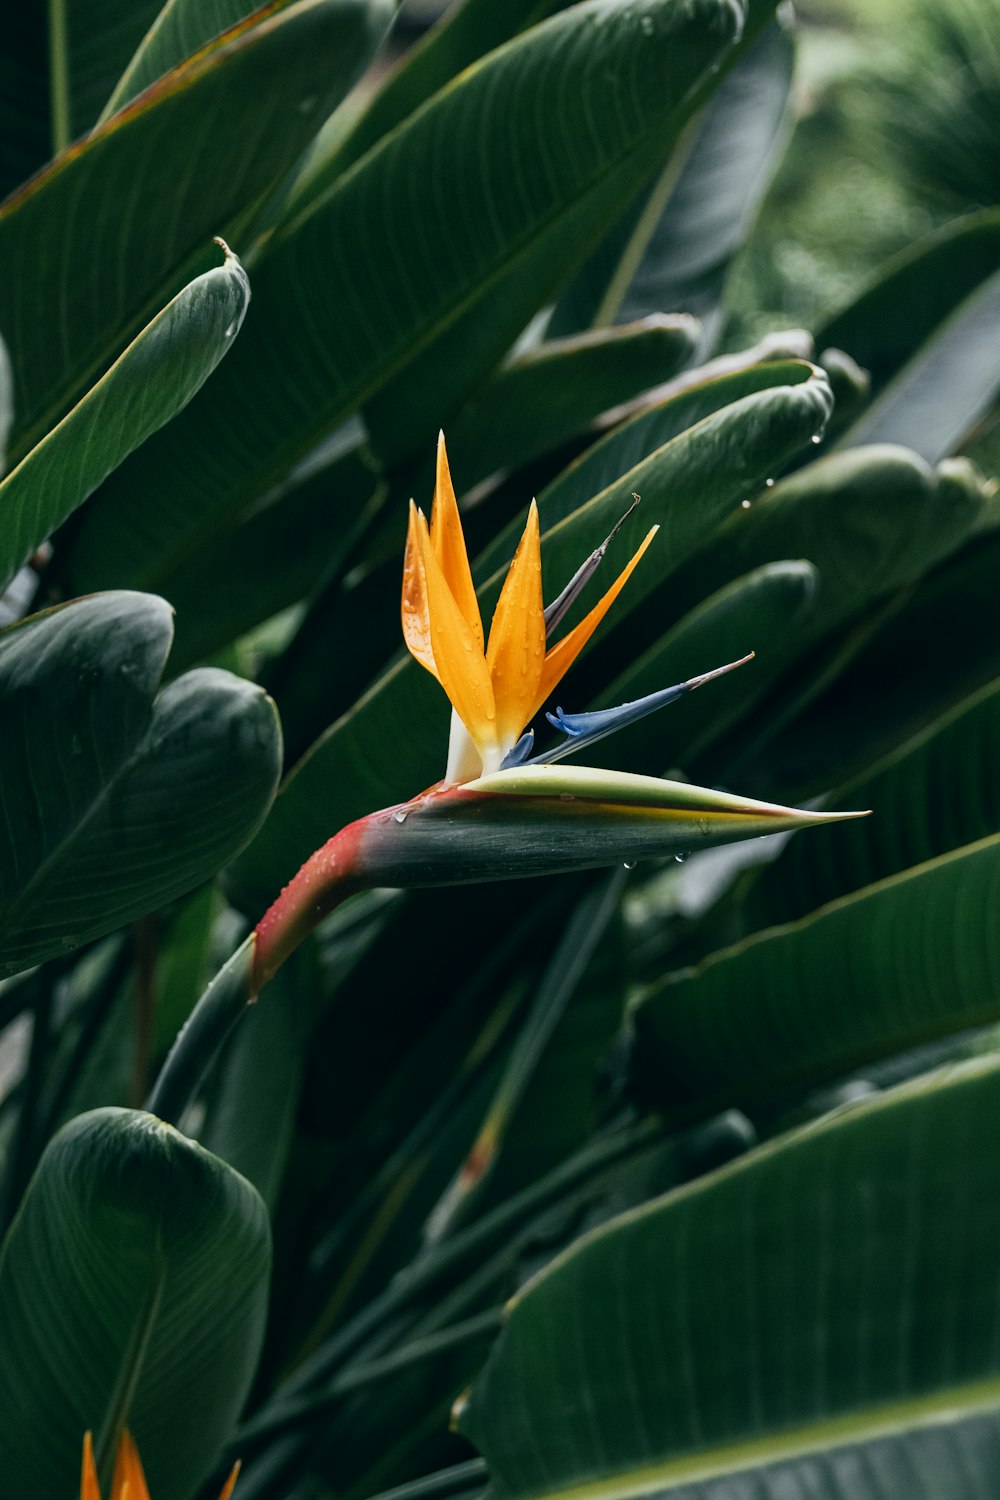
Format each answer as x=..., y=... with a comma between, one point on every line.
x=400, y=817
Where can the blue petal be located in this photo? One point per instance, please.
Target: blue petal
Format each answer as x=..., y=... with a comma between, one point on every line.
x=520, y=752
x=585, y=729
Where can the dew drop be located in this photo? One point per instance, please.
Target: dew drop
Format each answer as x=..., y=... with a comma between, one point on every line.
x=680, y=858
x=646, y=25
x=630, y=864
x=399, y=817
x=744, y=505
x=769, y=484
x=816, y=438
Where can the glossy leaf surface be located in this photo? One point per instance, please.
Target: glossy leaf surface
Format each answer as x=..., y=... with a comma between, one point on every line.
x=899, y=963
x=827, y=1290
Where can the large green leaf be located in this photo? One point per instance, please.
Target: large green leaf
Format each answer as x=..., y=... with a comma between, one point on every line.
x=159, y=372
x=674, y=247
x=941, y=393
x=480, y=172
x=935, y=794
x=393, y=742
x=465, y=34
x=898, y=963
x=58, y=63
x=182, y=28
x=834, y=1288
x=133, y=1286
x=102, y=239
x=907, y=302
x=116, y=799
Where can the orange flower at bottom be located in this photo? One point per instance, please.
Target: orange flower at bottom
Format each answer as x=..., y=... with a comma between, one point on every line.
x=129, y=1482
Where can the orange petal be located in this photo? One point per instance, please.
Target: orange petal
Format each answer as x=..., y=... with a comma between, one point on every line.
x=564, y=654
x=129, y=1482
x=516, y=652
x=230, y=1483
x=459, y=663
x=89, y=1488
x=415, y=610
x=448, y=541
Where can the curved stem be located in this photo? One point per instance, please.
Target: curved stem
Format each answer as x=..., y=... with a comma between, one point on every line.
x=326, y=879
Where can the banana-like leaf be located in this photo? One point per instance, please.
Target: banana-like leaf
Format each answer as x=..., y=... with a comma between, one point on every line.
x=136, y=202
x=116, y=800
x=908, y=960
x=935, y=794
x=159, y=372
x=829, y=1291
x=906, y=303
x=468, y=32
x=133, y=1285
x=393, y=741
x=478, y=170
x=57, y=66
x=674, y=247
x=612, y=463
x=182, y=28
x=941, y=393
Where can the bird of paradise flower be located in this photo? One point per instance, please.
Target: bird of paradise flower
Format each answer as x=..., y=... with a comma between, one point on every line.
x=501, y=810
